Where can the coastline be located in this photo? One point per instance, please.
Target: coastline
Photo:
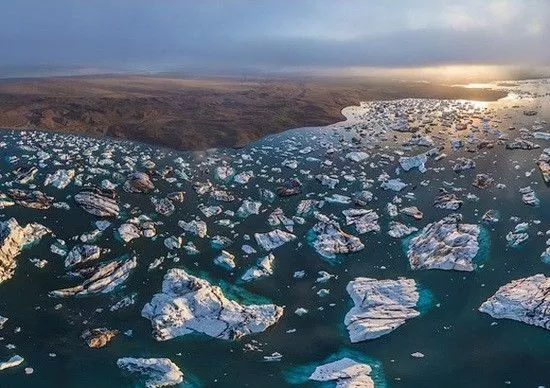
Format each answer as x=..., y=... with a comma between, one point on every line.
x=196, y=114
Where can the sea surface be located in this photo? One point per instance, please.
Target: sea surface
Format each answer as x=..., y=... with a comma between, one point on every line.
x=462, y=347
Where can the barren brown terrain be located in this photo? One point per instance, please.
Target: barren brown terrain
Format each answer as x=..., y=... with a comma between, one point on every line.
x=190, y=113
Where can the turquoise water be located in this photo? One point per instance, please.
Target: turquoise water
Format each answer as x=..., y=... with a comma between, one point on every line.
x=300, y=374
x=462, y=347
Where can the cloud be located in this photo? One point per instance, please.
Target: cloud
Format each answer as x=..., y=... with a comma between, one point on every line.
x=491, y=14
x=271, y=35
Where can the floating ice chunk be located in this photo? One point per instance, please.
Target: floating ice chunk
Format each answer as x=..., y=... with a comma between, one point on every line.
x=446, y=200
x=327, y=180
x=330, y=240
x=128, y=232
x=445, y=244
x=419, y=140
x=173, y=242
x=12, y=362
x=541, y=135
x=13, y=239
x=224, y=173
x=248, y=208
x=202, y=188
x=99, y=337
x=138, y=182
x=31, y=199
x=244, y=177
x=462, y=164
x=362, y=198
x=210, y=211
x=412, y=211
x=338, y=198
x=521, y=144
x=291, y=187
x=225, y=260
x=526, y=300
x=381, y=306
x=273, y=239
x=391, y=209
x=418, y=161
x=163, y=206
x=198, y=228
x=156, y=372
x=104, y=278
x=490, y=216
x=263, y=268
x=290, y=163
x=222, y=196
x=346, y=372
x=528, y=196
x=399, y=230
x=82, y=254
x=24, y=175
x=516, y=238
x=357, y=156
x=277, y=218
x=544, y=164
x=483, y=181
x=364, y=220
x=60, y=179
x=248, y=249
x=102, y=224
x=393, y=184
x=219, y=242
x=99, y=202
x=306, y=207
x=189, y=304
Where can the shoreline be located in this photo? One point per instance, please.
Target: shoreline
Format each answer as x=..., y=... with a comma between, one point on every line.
x=211, y=149
x=197, y=114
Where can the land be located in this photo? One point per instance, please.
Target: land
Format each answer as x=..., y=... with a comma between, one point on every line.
x=195, y=113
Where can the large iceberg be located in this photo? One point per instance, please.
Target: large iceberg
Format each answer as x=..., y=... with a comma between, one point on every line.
x=13, y=238
x=445, y=244
x=189, y=304
x=380, y=307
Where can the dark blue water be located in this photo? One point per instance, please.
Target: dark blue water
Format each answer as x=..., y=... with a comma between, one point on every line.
x=461, y=346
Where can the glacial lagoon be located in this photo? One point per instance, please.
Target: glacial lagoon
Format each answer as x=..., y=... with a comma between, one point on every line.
x=234, y=192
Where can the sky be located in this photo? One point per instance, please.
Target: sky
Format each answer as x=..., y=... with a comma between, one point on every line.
x=272, y=36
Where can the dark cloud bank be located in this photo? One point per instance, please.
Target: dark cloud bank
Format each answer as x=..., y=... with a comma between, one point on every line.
x=268, y=36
